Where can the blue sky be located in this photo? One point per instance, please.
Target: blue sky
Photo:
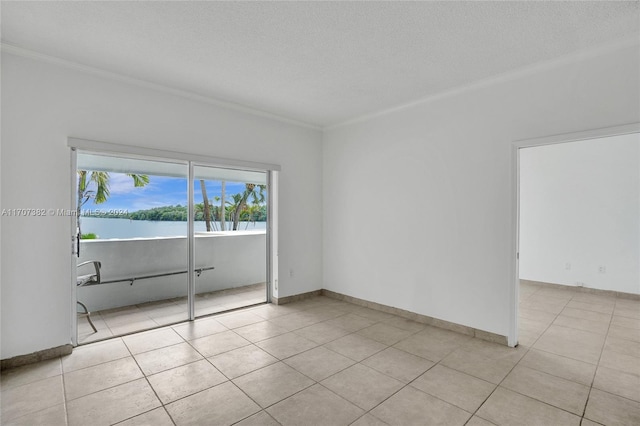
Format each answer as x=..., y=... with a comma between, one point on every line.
x=161, y=191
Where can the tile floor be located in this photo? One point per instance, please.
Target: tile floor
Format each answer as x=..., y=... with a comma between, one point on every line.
x=325, y=362
x=145, y=316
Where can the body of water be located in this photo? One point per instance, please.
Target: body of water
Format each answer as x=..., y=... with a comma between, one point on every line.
x=125, y=228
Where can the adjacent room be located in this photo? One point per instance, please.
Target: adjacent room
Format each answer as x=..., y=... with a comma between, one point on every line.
x=579, y=228
x=341, y=213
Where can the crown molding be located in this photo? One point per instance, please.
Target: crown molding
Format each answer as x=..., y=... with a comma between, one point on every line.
x=522, y=72
x=31, y=54
x=480, y=84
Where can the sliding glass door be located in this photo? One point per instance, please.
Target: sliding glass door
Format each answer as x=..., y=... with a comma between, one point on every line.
x=230, y=230
x=132, y=262
x=161, y=242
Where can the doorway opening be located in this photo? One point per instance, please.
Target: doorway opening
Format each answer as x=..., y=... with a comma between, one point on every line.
x=577, y=227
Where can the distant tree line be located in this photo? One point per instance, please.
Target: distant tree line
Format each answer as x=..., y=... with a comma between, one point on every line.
x=163, y=214
x=247, y=206
x=178, y=213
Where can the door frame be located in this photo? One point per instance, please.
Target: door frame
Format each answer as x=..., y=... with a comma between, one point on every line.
x=514, y=288
x=190, y=160
x=74, y=244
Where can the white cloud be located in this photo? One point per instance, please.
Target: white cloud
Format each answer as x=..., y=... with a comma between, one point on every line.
x=119, y=183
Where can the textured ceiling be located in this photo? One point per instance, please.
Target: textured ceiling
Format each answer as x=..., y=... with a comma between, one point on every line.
x=317, y=62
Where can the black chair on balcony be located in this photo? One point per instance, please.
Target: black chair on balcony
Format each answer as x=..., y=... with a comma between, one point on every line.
x=88, y=279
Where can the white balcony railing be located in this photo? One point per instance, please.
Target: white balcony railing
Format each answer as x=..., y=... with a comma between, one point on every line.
x=239, y=259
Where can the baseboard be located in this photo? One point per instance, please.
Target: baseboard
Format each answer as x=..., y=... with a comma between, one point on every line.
x=34, y=357
x=589, y=290
x=423, y=319
x=45, y=354
x=295, y=297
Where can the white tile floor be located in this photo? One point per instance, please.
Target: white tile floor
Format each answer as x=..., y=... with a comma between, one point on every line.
x=146, y=316
x=325, y=362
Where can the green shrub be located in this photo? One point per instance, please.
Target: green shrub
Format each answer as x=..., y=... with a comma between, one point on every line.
x=89, y=236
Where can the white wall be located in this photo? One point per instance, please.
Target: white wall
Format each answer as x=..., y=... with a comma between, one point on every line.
x=444, y=168
x=579, y=211
x=43, y=104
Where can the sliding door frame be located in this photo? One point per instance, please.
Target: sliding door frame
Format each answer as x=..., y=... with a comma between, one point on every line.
x=189, y=160
x=74, y=246
x=270, y=240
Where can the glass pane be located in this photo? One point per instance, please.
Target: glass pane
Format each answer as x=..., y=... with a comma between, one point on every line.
x=230, y=238
x=133, y=220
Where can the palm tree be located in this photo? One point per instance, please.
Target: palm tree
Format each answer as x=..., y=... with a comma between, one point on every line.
x=253, y=191
x=235, y=205
x=254, y=212
x=101, y=192
x=217, y=213
x=207, y=210
x=223, y=206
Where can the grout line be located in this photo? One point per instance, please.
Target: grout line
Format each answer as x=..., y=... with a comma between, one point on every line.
x=146, y=378
x=633, y=401
x=64, y=393
x=270, y=405
x=596, y=365
x=364, y=414
x=475, y=413
x=120, y=384
x=541, y=334
x=592, y=380
x=256, y=413
x=144, y=412
x=584, y=410
x=164, y=407
x=191, y=394
x=405, y=385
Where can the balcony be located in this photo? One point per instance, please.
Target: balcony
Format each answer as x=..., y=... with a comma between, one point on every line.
x=145, y=281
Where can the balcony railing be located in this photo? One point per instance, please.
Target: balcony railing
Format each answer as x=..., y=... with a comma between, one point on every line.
x=225, y=260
